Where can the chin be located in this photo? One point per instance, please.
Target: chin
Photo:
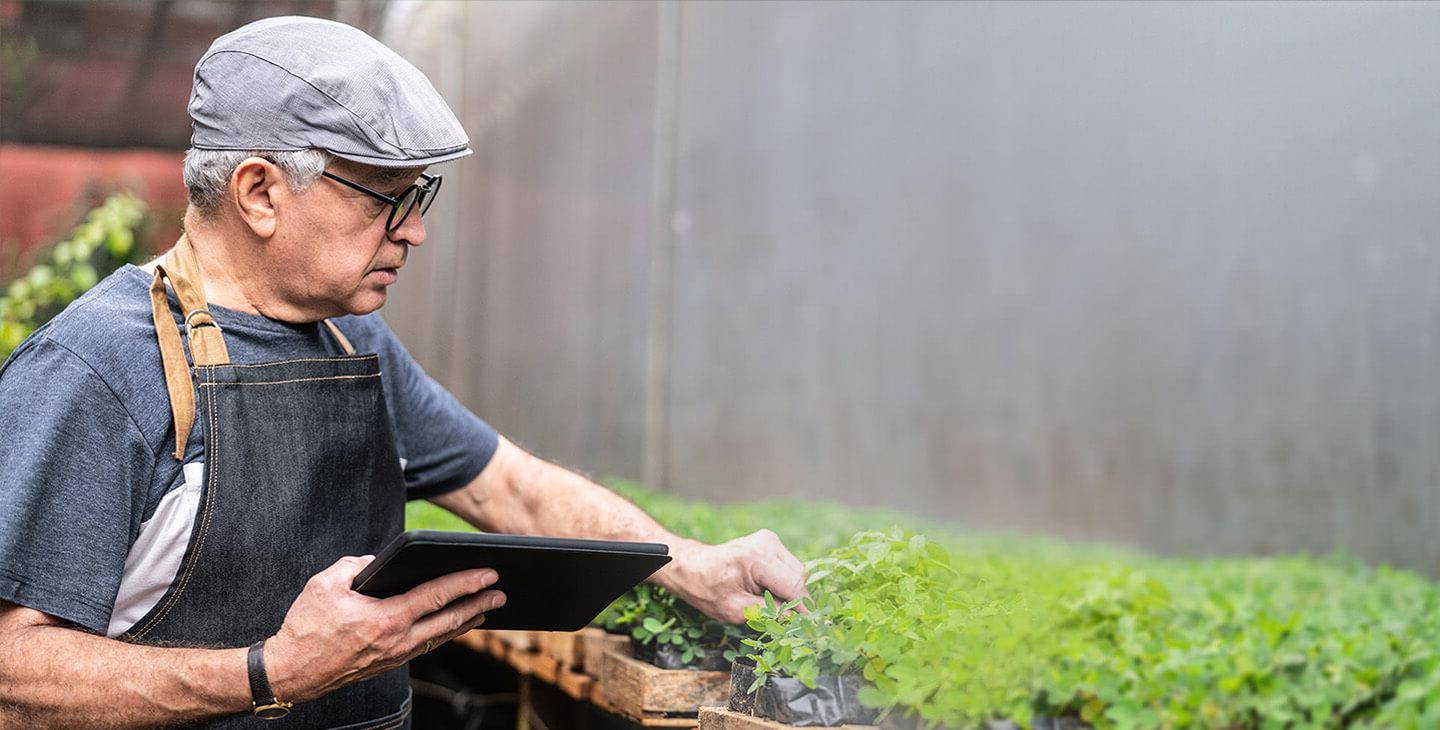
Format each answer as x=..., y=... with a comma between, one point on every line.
x=366, y=303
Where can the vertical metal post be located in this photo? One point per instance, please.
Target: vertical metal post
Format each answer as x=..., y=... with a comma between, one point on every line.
x=662, y=245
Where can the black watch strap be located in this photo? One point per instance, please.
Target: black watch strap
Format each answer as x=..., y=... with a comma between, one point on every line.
x=266, y=707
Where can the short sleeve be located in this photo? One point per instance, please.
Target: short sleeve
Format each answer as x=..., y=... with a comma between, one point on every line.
x=444, y=445
x=73, y=471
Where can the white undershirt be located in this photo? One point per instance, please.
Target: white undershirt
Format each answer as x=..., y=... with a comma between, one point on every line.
x=154, y=558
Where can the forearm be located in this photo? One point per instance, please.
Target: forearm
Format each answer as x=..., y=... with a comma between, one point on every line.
x=519, y=493
x=52, y=676
x=530, y=496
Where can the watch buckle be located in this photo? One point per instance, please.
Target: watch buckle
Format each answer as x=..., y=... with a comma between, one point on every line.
x=274, y=710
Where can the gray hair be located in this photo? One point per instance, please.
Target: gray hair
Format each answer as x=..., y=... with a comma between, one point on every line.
x=207, y=172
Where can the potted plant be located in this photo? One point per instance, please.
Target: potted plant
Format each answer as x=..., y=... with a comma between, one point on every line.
x=806, y=671
x=669, y=633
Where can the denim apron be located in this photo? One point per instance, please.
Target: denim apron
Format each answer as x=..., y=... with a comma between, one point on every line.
x=300, y=469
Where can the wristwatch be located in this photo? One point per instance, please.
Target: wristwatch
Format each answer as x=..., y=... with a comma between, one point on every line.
x=263, y=700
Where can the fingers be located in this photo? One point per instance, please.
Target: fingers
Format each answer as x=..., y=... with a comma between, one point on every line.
x=776, y=570
x=455, y=619
x=734, y=610
x=435, y=595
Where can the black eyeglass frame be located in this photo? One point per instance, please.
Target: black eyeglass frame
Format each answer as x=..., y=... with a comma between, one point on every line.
x=425, y=189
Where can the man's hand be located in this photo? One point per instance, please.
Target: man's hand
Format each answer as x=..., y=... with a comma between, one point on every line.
x=722, y=580
x=333, y=636
x=521, y=494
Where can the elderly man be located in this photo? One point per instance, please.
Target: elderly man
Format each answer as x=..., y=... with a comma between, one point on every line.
x=201, y=454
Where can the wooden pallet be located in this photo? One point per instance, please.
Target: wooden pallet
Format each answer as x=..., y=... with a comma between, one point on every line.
x=719, y=718
x=565, y=647
x=657, y=697
x=517, y=640
x=594, y=642
x=475, y=641
x=574, y=684
x=497, y=648
x=534, y=664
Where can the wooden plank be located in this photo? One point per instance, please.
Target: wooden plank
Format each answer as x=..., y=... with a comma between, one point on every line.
x=498, y=648
x=475, y=641
x=574, y=684
x=719, y=718
x=594, y=642
x=520, y=660
x=543, y=667
x=637, y=689
x=658, y=720
x=564, y=647
x=521, y=640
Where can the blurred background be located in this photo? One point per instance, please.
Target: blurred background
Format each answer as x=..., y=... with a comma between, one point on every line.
x=1157, y=274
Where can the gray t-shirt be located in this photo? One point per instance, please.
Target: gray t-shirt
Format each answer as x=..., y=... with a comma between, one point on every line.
x=87, y=441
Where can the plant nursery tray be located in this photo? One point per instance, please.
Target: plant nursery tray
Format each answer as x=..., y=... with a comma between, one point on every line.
x=719, y=718
x=643, y=691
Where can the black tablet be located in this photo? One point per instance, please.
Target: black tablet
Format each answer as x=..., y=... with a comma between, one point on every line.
x=550, y=583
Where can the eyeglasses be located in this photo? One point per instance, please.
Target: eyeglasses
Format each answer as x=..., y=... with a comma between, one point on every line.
x=419, y=195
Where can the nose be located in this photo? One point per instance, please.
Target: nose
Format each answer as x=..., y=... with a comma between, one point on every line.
x=411, y=231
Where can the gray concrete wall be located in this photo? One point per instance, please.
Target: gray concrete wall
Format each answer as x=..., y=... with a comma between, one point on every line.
x=1163, y=274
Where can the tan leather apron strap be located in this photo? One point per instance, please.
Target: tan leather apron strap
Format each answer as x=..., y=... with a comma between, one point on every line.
x=207, y=344
x=172, y=357
x=341, y=338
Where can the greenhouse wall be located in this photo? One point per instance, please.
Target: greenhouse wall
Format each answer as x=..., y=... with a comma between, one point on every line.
x=1159, y=274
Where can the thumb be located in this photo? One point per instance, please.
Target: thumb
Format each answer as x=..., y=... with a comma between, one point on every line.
x=348, y=567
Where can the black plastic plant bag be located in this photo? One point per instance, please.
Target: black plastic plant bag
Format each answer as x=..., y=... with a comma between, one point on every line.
x=669, y=656
x=833, y=701
x=742, y=675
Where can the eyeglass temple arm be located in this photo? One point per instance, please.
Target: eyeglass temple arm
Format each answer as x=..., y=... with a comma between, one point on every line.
x=361, y=188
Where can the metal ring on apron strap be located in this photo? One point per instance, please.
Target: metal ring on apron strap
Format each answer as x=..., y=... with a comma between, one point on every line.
x=208, y=321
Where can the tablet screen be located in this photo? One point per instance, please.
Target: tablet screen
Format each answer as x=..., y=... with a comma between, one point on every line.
x=550, y=583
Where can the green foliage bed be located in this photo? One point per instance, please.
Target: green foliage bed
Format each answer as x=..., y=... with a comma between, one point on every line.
x=107, y=239
x=952, y=629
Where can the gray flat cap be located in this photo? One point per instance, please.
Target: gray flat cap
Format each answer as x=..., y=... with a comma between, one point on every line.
x=296, y=83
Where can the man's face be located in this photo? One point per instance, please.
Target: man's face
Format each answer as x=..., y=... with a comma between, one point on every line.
x=331, y=249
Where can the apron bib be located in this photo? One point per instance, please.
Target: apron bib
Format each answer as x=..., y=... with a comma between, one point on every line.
x=300, y=469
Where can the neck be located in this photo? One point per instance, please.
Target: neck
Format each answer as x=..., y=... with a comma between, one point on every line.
x=232, y=273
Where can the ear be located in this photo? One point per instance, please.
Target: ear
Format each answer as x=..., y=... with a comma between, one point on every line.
x=255, y=186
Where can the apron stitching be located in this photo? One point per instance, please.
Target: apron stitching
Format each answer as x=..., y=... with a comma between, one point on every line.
x=214, y=469
x=297, y=380
x=342, y=358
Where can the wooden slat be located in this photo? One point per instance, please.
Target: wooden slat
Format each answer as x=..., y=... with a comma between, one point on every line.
x=637, y=689
x=544, y=668
x=475, y=641
x=594, y=642
x=498, y=649
x=658, y=720
x=520, y=660
x=521, y=640
x=719, y=718
x=565, y=647
x=574, y=684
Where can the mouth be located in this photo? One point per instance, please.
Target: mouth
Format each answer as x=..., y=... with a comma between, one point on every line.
x=385, y=275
